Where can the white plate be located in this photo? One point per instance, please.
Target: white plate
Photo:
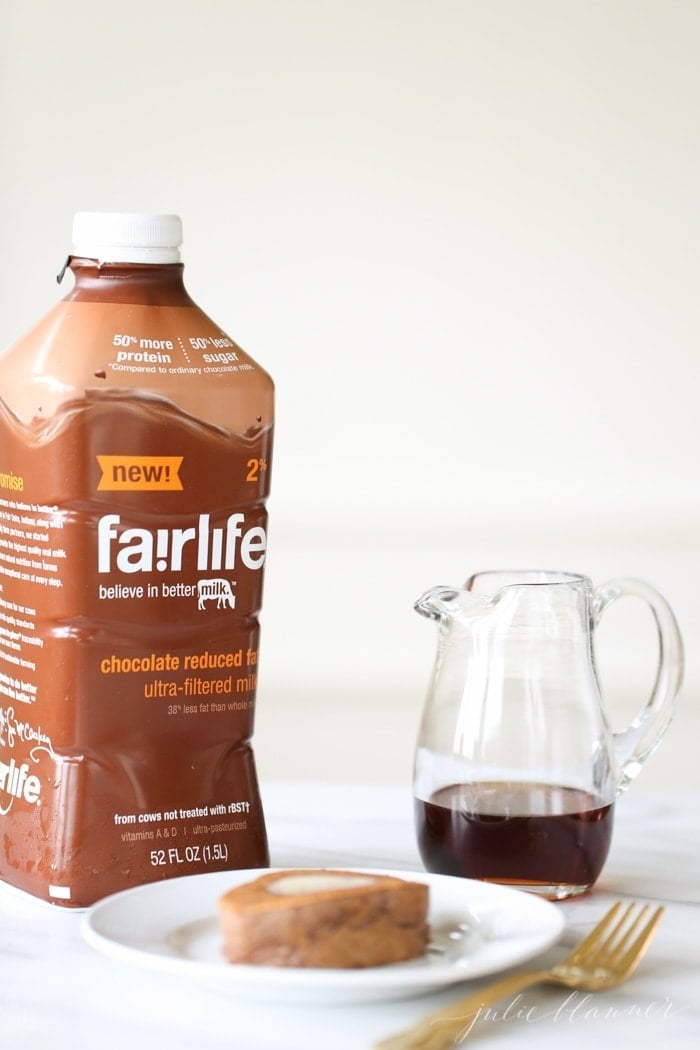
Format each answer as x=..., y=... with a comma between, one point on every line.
x=171, y=926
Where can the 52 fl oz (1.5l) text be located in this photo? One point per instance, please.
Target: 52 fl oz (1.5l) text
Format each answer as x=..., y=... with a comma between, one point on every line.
x=190, y=854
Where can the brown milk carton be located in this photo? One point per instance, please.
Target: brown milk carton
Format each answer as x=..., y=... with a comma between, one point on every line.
x=135, y=445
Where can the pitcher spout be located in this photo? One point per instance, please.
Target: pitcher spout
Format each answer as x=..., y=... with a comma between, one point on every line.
x=437, y=603
x=448, y=603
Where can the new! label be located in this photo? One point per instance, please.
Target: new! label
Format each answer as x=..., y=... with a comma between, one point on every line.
x=139, y=473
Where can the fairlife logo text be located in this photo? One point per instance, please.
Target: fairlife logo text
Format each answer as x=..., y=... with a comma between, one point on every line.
x=17, y=782
x=163, y=550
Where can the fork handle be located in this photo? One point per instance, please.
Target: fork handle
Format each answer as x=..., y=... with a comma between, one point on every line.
x=442, y=1027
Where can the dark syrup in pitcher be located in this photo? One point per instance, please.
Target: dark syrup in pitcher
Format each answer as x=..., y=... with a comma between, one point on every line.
x=529, y=835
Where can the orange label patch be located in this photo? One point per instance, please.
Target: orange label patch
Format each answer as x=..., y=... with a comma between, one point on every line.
x=139, y=473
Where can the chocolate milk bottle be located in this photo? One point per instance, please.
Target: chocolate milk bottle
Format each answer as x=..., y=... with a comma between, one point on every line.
x=135, y=444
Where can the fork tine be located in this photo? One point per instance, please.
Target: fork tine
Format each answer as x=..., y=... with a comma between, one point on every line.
x=607, y=933
x=593, y=939
x=629, y=960
x=619, y=950
x=615, y=951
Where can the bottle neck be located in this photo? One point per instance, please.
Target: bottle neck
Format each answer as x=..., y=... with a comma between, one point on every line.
x=146, y=284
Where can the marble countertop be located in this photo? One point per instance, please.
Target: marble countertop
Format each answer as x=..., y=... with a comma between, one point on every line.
x=54, y=986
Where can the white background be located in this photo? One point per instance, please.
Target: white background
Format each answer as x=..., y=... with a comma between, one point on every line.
x=463, y=238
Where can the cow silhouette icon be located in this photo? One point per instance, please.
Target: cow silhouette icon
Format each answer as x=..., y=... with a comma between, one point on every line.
x=217, y=589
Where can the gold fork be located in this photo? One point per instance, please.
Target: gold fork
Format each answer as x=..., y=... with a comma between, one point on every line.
x=605, y=958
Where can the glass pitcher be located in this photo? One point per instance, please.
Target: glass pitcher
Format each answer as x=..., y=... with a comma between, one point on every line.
x=516, y=767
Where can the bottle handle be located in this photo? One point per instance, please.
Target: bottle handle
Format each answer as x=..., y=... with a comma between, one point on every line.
x=633, y=745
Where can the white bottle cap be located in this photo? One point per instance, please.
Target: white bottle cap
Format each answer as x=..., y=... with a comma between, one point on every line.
x=127, y=237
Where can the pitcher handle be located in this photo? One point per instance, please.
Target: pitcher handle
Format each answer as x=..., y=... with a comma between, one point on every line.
x=634, y=744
